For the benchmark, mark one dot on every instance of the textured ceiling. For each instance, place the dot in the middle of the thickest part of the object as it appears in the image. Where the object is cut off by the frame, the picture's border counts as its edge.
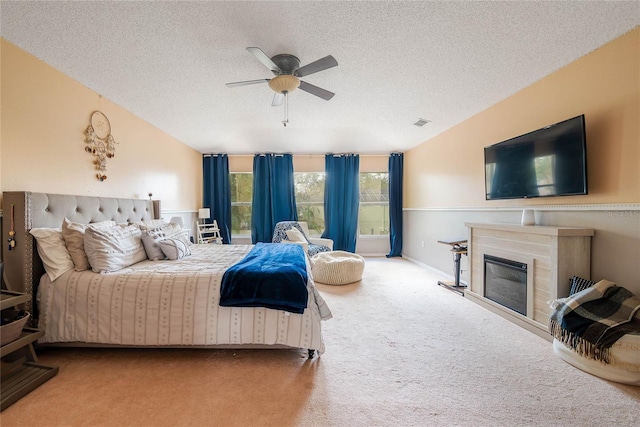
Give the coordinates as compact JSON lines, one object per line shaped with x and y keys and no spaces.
{"x":168,"y":62}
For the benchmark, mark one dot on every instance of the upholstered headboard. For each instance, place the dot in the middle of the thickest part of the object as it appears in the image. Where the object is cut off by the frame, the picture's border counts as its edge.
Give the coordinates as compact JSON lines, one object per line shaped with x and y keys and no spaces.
{"x":23,"y":267}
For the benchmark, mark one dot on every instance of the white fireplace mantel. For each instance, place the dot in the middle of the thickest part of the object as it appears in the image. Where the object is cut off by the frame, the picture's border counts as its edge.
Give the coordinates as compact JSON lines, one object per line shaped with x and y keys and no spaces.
{"x":552,"y":254}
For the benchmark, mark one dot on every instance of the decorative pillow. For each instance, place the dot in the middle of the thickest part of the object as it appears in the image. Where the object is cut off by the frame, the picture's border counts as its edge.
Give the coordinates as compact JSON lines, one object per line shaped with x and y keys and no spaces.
{"x":113,"y":248}
{"x":149,"y":224}
{"x":73,"y":235}
{"x":52,"y":251}
{"x":172,"y":229}
{"x":295,"y":235}
{"x":579,"y":284}
{"x":175,"y":247}
{"x":151,"y":242}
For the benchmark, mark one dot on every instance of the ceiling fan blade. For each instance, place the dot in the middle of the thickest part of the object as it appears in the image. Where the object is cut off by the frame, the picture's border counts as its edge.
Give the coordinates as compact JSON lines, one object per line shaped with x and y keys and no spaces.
{"x":247,"y":82}
{"x":262,"y":57}
{"x":278,"y":99}
{"x":315,"y":90}
{"x":319,"y":65}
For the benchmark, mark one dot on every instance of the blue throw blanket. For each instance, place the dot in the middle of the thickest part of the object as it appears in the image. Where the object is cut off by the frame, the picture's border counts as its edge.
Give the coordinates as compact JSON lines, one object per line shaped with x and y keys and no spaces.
{"x":272,"y":275}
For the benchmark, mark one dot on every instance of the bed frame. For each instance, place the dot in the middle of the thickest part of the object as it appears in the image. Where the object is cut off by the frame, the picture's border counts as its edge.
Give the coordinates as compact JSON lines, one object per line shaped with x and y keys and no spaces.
{"x":22,"y":264}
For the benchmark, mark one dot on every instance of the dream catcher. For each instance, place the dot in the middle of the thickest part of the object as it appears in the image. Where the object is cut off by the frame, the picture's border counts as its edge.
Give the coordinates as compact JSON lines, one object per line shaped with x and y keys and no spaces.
{"x":100,"y":142}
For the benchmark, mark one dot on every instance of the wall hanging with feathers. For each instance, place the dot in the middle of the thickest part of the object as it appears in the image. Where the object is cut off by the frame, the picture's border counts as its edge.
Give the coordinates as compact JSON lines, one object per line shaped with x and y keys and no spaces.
{"x":100,"y":142}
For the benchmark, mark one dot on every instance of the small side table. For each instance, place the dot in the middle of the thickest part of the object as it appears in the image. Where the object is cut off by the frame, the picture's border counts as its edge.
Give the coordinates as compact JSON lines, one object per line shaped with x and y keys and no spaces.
{"x":458,"y":248}
{"x":20,"y":372}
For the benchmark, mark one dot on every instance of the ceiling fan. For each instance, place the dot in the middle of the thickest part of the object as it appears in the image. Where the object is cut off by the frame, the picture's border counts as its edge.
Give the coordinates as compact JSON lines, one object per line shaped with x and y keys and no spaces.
{"x":287,"y":72}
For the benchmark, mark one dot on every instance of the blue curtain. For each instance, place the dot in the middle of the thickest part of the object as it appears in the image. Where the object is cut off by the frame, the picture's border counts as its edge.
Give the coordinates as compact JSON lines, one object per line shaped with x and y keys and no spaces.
{"x":274,"y":198}
{"x":395,"y":203}
{"x":342,"y":200}
{"x":217,"y":191}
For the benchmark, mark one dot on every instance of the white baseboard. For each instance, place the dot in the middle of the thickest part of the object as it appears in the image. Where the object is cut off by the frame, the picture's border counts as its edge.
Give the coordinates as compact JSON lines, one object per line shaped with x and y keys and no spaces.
{"x":441,"y":273}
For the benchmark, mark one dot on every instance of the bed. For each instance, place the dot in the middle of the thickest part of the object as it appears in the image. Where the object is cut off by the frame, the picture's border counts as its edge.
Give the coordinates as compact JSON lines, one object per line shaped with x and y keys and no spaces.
{"x":168,"y":303}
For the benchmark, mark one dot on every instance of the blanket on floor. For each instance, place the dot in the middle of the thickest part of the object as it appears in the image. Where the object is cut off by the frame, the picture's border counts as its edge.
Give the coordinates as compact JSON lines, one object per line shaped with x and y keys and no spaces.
{"x":272,"y":275}
{"x":592,"y":320}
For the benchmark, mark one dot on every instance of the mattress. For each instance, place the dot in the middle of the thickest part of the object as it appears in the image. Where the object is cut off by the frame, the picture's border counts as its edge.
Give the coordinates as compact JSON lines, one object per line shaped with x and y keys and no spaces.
{"x":170,"y":303}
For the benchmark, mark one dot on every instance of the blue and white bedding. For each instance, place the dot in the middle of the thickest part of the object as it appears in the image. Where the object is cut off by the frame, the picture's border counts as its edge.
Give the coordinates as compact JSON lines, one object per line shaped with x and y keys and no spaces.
{"x":171,"y":303}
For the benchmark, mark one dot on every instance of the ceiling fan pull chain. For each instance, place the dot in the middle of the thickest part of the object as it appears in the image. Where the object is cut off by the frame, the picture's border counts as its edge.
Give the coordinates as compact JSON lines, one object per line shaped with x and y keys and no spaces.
{"x":286,"y":108}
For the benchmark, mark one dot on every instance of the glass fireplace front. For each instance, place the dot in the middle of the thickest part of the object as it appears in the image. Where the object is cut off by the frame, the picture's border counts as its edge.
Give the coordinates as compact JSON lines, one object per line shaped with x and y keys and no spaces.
{"x":505,"y":282}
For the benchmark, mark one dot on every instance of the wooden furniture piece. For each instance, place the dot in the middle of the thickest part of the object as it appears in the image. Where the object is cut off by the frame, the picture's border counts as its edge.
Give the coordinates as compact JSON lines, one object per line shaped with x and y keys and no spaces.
{"x":552,"y":255}
{"x":458,"y":248}
{"x":20,"y":371}
{"x":209,"y":233}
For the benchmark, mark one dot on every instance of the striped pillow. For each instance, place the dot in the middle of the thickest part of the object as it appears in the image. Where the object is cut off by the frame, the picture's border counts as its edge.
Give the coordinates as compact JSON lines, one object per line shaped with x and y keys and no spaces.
{"x":579,"y":284}
{"x":114,"y":248}
{"x":175,"y":247}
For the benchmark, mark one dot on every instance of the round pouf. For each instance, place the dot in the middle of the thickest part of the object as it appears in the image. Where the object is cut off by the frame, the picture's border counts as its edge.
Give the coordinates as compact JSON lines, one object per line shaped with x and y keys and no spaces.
{"x":337,"y":267}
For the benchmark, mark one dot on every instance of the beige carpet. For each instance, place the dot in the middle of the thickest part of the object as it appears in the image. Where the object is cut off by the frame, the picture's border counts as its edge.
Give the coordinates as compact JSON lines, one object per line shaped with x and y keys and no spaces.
{"x":401,"y":351}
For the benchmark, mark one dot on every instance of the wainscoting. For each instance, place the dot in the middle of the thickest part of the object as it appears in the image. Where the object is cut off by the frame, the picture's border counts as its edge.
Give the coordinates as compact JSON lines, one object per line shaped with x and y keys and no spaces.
{"x":614,"y":247}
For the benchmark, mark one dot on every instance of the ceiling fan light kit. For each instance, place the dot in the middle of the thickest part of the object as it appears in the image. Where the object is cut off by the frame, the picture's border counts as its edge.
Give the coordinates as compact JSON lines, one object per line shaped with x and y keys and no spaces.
{"x":284,"y":83}
{"x":287,"y":71}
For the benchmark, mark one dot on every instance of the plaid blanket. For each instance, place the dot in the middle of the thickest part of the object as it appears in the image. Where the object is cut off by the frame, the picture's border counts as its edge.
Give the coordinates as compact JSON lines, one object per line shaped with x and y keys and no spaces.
{"x":592,"y":320}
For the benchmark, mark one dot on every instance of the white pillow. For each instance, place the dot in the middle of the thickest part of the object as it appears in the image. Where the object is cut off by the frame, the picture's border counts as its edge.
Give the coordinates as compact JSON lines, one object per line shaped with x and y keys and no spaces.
{"x":113,"y":248}
{"x":296,"y":235}
{"x":150,"y":224}
{"x":175,"y":247}
{"x":151,"y":238}
{"x":52,"y":251}
{"x":73,"y":235}
{"x":172,"y":229}
{"x":151,"y":242}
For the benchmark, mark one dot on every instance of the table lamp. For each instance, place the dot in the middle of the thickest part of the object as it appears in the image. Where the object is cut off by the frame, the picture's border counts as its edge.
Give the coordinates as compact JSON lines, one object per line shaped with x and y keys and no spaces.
{"x":204,"y":214}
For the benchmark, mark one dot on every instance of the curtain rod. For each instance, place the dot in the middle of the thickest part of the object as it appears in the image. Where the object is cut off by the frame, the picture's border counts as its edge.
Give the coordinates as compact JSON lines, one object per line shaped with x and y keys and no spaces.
{"x":302,"y":155}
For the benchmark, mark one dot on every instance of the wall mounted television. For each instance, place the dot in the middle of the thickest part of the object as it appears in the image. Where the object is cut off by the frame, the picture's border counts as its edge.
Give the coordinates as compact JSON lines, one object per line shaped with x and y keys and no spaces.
{"x":547,"y":162}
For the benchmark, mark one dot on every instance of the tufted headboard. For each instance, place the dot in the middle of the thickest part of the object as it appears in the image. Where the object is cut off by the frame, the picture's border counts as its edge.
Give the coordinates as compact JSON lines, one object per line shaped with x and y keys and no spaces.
{"x":23,"y":267}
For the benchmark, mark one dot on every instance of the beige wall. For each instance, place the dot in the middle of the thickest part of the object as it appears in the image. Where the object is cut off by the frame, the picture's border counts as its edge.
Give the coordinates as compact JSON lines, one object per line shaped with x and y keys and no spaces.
{"x":448,"y":170}
{"x":444,"y":177}
{"x":311,"y":163}
{"x":44,"y":115}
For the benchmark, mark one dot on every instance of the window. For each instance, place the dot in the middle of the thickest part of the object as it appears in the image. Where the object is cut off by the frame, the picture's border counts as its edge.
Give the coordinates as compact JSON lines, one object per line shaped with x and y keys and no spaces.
{"x":241,"y":193}
{"x":374,"y":204}
{"x":309,"y":188}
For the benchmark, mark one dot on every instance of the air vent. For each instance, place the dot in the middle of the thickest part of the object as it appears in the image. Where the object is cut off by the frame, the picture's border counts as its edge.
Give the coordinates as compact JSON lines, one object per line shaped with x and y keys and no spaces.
{"x":421,"y":122}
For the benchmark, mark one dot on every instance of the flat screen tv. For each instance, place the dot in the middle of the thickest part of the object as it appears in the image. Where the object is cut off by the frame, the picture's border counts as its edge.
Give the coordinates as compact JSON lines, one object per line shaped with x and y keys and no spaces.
{"x":547,"y":162}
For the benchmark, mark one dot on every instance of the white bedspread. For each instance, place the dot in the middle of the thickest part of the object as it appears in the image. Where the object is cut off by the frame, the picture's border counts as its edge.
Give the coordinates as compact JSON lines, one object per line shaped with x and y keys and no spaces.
{"x":170,"y":303}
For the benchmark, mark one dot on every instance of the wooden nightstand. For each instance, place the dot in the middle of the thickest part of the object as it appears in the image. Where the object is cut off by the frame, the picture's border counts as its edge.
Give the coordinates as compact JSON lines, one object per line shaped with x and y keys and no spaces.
{"x":19,"y":370}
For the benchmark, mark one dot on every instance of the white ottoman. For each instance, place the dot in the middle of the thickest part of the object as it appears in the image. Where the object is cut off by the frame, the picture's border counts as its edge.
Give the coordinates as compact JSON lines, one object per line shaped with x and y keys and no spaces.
{"x":625,"y":360}
{"x":337,"y":267}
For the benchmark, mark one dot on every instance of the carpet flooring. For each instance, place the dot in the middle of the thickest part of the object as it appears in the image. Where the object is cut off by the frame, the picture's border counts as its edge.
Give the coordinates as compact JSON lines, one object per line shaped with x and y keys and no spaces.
{"x":401,"y":351}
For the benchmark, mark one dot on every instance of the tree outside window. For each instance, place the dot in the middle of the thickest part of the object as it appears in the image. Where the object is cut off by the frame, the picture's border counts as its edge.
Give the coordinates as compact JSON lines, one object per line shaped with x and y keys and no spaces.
{"x":309,"y":188}
{"x":241,"y":193}
{"x":373,"y":217}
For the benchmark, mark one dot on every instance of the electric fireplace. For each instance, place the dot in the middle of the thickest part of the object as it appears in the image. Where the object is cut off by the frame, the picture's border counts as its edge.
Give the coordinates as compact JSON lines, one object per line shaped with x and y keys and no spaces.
{"x":505,"y":282}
